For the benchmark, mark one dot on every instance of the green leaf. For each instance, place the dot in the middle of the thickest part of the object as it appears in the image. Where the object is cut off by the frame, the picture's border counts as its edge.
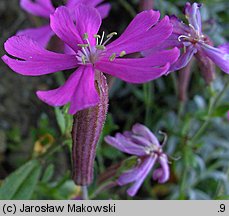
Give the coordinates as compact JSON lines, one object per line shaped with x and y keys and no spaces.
{"x":60,"y":119}
{"x":220,"y":110}
{"x":49,"y":171}
{"x":21,"y":183}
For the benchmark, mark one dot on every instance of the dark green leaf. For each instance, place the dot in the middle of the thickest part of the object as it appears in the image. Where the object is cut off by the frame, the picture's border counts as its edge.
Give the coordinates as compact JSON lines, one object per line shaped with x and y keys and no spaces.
{"x":21,"y":183}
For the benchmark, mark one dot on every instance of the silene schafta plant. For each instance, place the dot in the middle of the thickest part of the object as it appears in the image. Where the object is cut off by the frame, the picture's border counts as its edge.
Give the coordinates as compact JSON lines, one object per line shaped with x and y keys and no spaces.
{"x":141,"y":142}
{"x":44,"y":8}
{"x":86,"y":88}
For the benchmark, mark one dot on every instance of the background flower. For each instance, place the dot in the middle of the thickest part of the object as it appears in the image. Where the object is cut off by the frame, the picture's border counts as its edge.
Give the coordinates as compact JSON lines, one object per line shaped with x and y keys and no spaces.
{"x":44,"y":8}
{"x":142,"y":143}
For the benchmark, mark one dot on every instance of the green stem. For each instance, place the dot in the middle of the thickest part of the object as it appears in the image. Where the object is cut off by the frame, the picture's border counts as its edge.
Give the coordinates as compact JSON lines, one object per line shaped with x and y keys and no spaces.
{"x":84,"y":193}
{"x":181,"y":110}
{"x":103,"y":187}
{"x":148,"y":98}
{"x":212,"y":105}
{"x":185,"y":172}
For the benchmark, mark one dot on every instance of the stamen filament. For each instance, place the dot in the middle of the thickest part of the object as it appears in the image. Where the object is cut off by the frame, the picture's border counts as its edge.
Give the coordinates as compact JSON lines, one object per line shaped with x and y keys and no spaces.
{"x":109,"y":36}
{"x":97,"y":38}
{"x":102,"y":38}
{"x":183,"y":36}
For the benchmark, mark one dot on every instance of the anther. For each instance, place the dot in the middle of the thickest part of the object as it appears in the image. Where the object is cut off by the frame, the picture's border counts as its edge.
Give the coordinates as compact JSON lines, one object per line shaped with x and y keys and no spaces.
{"x":85,"y":36}
{"x":123,"y":53}
{"x":112,"y":57}
{"x":111,"y":34}
{"x":102,"y":38}
{"x":100,"y":47}
{"x":97,"y":36}
{"x":83,"y":45}
{"x":83,"y":59}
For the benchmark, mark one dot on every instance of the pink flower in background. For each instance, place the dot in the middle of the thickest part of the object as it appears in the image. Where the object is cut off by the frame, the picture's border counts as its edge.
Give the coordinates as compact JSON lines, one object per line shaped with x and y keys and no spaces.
{"x":142,"y":143}
{"x":91,"y":54}
{"x":44,"y":8}
{"x":193,"y":42}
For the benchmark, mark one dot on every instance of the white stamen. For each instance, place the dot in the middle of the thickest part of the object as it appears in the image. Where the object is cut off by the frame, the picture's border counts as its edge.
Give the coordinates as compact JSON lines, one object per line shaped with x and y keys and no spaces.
{"x":183,"y":36}
{"x":102,"y":38}
{"x":90,"y":54}
{"x":111,"y":35}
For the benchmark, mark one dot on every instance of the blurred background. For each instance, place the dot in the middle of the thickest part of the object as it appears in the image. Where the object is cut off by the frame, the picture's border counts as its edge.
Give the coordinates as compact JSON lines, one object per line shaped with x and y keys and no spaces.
{"x":30,"y":129}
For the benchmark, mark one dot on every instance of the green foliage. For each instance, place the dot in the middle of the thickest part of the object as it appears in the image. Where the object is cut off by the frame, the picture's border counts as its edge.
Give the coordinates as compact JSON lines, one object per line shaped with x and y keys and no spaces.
{"x":21,"y":183}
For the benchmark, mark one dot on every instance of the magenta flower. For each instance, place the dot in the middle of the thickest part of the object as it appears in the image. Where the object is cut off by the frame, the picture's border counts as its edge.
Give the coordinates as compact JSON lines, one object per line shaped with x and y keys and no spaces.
{"x":91,"y":54}
{"x":142,"y":143}
{"x":44,"y":8}
{"x":192,"y":41}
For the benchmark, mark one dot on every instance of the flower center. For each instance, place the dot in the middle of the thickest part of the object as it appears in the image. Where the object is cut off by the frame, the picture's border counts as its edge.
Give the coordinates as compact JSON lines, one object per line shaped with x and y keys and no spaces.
{"x":153,"y":149}
{"x":193,"y":37}
{"x":89,"y":54}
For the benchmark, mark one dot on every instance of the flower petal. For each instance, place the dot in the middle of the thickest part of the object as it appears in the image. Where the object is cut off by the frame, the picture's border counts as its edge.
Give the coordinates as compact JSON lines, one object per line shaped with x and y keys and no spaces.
{"x":63,"y":94}
{"x":73,"y":3}
{"x":135,"y":173}
{"x":142,"y":174}
{"x":137,"y":38}
{"x":164,"y":56}
{"x":123,"y":144}
{"x":132,"y":70}
{"x":179,"y":27}
{"x":184,"y":59}
{"x":88,"y":21}
{"x":41,"y":8}
{"x":63,"y":25}
{"x":85,"y":95}
{"x":79,"y":91}
{"x":162,"y":174}
{"x":169,"y":43}
{"x":139,"y":25}
{"x":143,"y":131}
{"x":192,"y":13}
{"x":139,"y":140}
{"x":41,"y":34}
{"x":220,"y":55}
{"x":104,"y":10}
{"x":35,"y":59}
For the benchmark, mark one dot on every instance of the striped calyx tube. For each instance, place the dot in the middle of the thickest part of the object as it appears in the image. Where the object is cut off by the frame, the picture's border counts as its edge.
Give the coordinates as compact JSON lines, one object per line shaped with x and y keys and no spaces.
{"x":86,"y":131}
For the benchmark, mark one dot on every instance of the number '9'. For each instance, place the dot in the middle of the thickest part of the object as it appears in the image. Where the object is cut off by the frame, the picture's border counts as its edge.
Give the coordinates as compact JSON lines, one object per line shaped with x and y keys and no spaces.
{"x":222,"y":207}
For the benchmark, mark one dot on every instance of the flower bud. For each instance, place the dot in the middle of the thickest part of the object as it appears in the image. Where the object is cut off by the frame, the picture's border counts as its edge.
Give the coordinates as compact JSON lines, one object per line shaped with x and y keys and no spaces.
{"x":207,"y":67}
